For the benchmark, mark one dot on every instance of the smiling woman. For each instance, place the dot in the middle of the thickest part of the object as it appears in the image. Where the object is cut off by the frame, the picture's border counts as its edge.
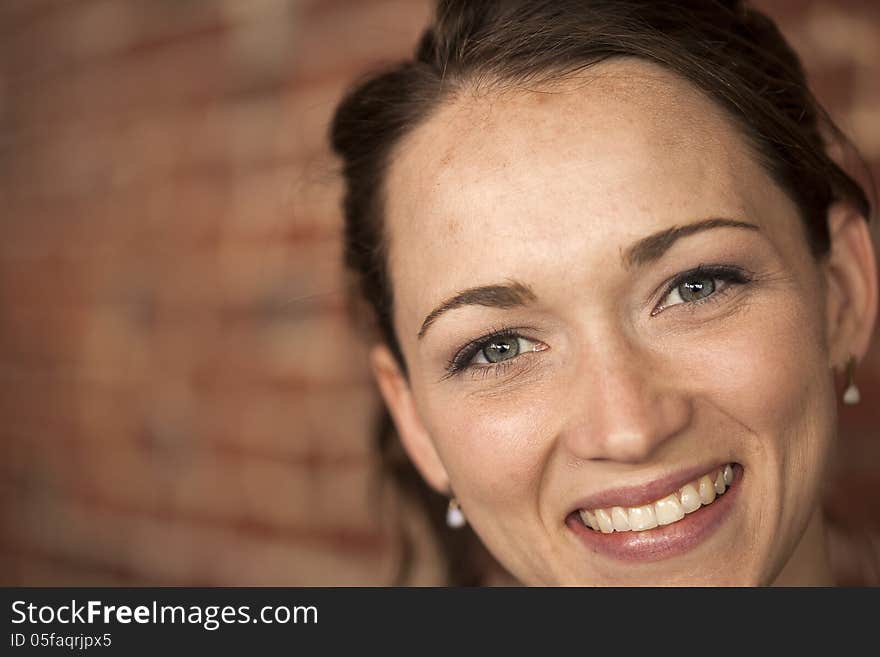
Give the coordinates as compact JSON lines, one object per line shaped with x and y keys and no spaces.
{"x":615,"y":272}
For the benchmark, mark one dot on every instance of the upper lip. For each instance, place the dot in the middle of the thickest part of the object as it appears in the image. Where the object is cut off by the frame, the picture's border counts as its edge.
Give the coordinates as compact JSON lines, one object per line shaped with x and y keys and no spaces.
{"x":645,"y":493}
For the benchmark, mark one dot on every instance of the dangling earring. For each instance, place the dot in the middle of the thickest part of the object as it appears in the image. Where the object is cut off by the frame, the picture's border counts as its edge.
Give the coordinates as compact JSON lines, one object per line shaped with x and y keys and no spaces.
{"x":454,"y":515}
{"x":851,"y":395}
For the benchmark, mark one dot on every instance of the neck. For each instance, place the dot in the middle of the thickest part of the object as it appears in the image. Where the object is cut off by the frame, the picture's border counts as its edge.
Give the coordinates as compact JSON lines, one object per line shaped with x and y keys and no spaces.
{"x":810,"y":564}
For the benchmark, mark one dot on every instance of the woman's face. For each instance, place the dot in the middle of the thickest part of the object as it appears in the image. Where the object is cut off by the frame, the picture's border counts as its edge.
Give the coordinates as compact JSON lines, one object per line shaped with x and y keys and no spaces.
{"x":602,"y":297}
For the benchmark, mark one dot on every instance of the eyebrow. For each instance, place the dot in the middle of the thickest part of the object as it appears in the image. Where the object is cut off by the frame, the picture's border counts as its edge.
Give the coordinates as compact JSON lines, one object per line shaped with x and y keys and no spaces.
{"x":652,"y":247}
{"x":509,"y":295}
{"x":515,"y":293}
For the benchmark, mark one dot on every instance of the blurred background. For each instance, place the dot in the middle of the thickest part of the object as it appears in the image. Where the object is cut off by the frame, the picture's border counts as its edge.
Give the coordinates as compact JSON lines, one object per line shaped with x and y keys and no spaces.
{"x":182,"y":400}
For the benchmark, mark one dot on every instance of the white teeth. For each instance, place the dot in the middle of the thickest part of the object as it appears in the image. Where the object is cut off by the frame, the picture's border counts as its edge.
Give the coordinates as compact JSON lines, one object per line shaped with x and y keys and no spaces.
{"x":668,"y":510}
{"x":665,"y":511}
{"x":690,"y":498}
{"x":707,"y":490}
{"x":720,"y":486}
{"x":642,"y":518}
{"x":605,"y":524}
{"x":620,"y":519}
{"x":589,"y":519}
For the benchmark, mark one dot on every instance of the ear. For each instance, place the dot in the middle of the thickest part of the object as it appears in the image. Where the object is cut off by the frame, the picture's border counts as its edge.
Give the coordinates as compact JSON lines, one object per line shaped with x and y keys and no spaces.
{"x":851,"y":276}
{"x":416,"y":440}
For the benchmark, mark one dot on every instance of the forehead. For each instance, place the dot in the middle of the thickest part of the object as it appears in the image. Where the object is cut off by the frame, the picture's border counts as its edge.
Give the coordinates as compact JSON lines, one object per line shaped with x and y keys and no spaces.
{"x":493,"y":182}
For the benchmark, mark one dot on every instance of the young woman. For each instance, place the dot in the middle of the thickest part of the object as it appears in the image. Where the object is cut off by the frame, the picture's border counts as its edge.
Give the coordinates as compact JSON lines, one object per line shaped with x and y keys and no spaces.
{"x":615,"y":272}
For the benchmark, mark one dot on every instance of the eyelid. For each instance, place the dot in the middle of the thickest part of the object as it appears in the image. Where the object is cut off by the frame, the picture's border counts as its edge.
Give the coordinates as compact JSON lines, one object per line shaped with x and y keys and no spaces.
{"x":513,"y":336}
{"x":731,"y":274}
{"x":511,"y":366}
{"x":464,"y":355}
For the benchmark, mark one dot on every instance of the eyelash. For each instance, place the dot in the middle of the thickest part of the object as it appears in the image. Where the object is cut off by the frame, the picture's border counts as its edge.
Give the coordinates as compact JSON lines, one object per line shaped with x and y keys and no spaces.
{"x":731,"y":276}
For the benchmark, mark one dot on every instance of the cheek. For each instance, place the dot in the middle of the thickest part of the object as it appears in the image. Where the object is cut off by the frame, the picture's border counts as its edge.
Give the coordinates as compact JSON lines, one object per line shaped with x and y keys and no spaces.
{"x":769,"y":372}
{"x":493,"y":448}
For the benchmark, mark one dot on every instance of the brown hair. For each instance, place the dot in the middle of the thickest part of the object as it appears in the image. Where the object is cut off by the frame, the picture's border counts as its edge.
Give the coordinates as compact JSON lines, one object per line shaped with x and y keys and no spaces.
{"x":733,"y":53}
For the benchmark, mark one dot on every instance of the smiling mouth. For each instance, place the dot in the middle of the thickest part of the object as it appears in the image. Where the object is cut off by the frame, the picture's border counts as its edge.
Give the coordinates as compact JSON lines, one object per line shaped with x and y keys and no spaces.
{"x":668,"y":510}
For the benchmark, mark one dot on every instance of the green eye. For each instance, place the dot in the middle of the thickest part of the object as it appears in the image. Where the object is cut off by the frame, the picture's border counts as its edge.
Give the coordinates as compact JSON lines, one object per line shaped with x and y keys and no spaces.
{"x":702,"y":284}
{"x":492,"y":350}
{"x":695,"y":289}
{"x":500,"y":349}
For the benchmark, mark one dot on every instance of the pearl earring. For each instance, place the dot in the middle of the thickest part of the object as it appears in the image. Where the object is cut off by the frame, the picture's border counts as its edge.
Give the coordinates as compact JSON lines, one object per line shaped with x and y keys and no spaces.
{"x":851,"y":395}
{"x":454,"y":515}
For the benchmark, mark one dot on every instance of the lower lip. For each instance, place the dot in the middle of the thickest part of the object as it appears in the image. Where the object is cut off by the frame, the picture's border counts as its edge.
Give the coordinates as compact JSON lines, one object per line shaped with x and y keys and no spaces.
{"x":666,"y":541}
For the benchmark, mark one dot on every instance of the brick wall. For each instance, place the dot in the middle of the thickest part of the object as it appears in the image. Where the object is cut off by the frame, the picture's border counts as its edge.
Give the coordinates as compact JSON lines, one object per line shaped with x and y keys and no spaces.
{"x":182,"y":400}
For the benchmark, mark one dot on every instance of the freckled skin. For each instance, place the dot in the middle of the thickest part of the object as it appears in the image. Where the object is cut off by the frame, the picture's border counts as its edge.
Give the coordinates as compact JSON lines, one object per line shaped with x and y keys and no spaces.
{"x":549,"y":187}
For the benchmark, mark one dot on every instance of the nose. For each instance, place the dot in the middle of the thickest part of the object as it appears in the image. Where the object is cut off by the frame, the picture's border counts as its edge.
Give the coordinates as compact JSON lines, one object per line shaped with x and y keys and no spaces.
{"x":626,"y":403}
